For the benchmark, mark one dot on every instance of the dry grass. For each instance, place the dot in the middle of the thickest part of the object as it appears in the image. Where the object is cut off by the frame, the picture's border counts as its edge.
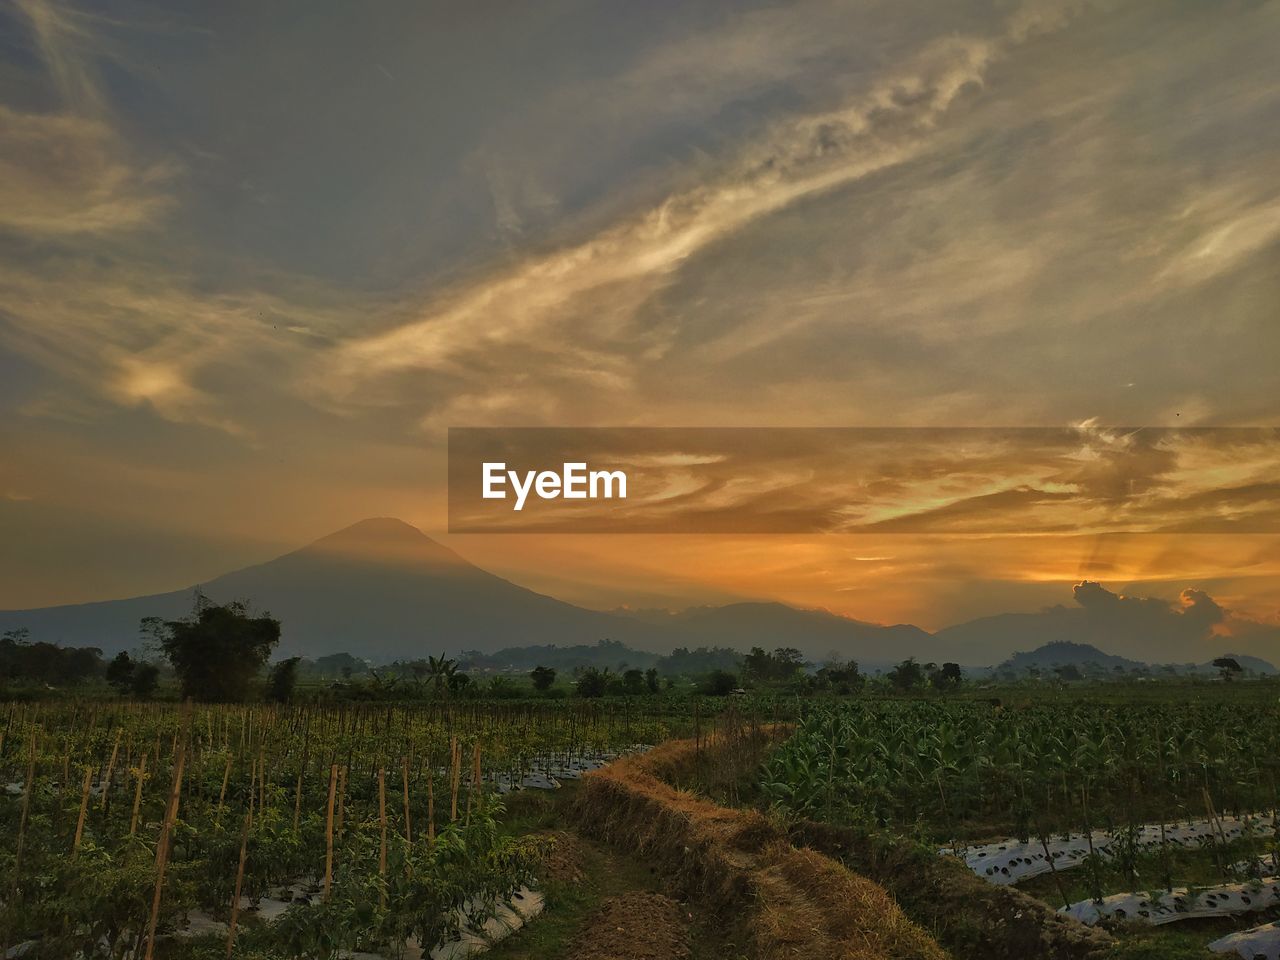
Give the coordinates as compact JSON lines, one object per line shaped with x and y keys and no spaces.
{"x":794,"y":903}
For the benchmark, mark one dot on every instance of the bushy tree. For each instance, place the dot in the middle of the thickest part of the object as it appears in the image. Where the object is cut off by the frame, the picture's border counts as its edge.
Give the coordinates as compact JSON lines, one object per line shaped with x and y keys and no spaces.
{"x":146,"y":677}
{"x":907,"y":675}
{"x":218,"y":650}
{"x":780,"y":666}
{"x":120,"y":673}
{"x":460,"y":682}
{"x":41,"y":662}
{"x":718,"y":683}
{"x":501,"y":688}
{"x":839,"y":676}
{"x":1228,"y":667}
{"x":651,"y":680}
{"x":282,"y":679}
{"x":947,"y":677}
{"x":633,"y":681}
{"x":593,"y":682}
{"x":543,"y":678}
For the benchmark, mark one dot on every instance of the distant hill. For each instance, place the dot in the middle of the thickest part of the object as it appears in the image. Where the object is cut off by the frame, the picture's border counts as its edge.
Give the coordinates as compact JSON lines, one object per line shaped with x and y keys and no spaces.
{"x":380,"y":589}
{"x":1247,"y":664}
{"x":1085,"y":657}
{"x":816,"y":633}
{"x":1063,"y":653}
{"x":987,"y":639}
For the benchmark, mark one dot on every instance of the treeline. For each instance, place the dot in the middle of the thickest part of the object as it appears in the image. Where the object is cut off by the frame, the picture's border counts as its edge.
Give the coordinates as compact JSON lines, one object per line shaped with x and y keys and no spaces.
{"x":221,"y":653}
{"x":604,"y":655}
{"x":24,"y":662}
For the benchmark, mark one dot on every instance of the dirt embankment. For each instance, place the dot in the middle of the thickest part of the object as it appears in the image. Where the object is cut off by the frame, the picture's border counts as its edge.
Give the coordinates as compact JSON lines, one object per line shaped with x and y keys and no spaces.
{"x":792,"y":903}
{"x":635,"y":926}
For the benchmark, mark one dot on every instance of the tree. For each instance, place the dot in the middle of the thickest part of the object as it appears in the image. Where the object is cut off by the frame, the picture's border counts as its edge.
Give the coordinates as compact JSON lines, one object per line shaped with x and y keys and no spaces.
{"x":19,"y":636}
{"x":146,"y":677}
{"x":633,"y":681}
{"x":543,"y":678}
{"x":218,"y":650}
{"x":458,"y":682}
{"x":785,"y":663}
{"x":282,"y":679}
{"x":719,"y":683}
{"x":1228,"y":667}
{"x":907,"y":675}
{"x":502,"y":688}
{"x":120,"y":673}
{"x":442,"y":671}
{"x":1068,"y":673}
{"x":593,"y":682}
{"x":947,"y":677}
{"x":651,"y":679}
{"x":840,"y":677}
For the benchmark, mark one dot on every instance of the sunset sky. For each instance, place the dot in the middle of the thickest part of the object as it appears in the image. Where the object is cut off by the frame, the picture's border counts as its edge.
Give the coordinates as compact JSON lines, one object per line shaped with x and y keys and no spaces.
{"x":257,"y":258}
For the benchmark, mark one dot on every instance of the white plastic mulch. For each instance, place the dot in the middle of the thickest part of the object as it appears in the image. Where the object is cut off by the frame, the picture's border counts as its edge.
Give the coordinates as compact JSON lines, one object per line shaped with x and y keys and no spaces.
{"x":1227,"y":900}
{"x":1260,"y":943}
{"x":1009,"y":861}
{"x":523,"y":906}
{"x":544,"y":772}
{"x":509,"y":916}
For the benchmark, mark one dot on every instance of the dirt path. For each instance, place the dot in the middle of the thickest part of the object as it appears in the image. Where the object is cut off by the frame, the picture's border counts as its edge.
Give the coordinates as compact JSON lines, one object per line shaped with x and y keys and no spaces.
{"x":606,"y":904}
{"x":635,"y":926}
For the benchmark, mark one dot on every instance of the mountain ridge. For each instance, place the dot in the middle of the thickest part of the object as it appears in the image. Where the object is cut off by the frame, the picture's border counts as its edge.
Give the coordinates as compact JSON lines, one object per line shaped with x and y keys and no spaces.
{"x":383,"y":590}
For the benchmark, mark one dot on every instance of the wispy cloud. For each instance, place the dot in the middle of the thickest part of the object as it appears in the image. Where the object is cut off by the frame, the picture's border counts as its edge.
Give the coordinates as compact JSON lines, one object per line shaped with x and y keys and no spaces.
{"x":64,"y":174}
{"x":611,"y":275}
{"x":70,"y":171}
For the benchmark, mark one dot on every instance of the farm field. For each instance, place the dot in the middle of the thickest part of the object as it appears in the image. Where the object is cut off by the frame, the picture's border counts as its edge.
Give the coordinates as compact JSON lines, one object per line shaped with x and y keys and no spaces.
{"x":1153,"y":819}
{"x":550,"y":829}
{"x":170,"y":831}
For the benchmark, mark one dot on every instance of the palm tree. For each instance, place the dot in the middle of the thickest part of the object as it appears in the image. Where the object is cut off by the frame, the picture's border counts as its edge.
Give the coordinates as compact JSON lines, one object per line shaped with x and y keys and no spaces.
{"x":441,"y":671}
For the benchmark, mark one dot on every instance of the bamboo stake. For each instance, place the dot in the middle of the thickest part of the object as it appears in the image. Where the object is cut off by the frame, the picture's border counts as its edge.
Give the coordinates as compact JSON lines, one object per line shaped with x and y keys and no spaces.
{"x":162,"y":851}
{"x":222,"y":794}
{"x":455,"y":774}
{"x":137,"y":794}
{"x":297,"y":801}
{"x":431,"y":804}
{"x":474,"y":792}
{"x":244,"y":855}
{"x":382,"y":820}
{"x":342,"y":797}
{"x":84,"y":809}
{"x":408,"y":827}
{"x":111,"y":767}
{"x":328,"y":833}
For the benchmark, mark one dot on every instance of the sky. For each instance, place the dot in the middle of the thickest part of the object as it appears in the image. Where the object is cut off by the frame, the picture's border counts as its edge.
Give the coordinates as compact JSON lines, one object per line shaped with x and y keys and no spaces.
{"x":257,"y":258}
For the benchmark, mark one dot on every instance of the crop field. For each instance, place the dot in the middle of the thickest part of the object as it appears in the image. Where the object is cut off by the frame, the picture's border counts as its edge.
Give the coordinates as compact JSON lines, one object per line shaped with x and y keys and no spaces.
{"x":1092,"y":827}
{"x":146,"y":830}
{"x":1159,"y":813}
